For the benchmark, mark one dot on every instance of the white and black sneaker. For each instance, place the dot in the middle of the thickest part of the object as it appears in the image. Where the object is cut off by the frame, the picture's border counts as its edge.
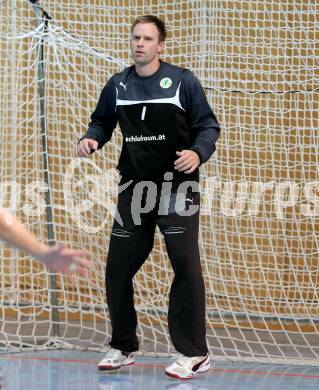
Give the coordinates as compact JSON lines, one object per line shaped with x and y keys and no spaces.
{"x":115,"y":359}
{"x":185,"y":367}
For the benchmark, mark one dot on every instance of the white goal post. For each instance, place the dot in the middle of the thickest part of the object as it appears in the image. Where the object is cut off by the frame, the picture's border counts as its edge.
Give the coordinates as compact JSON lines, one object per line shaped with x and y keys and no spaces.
{"x":258,"y":63}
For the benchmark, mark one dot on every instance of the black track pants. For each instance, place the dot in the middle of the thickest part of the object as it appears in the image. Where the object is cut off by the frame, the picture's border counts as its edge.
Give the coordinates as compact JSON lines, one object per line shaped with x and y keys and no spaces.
{"x":130,"y":245}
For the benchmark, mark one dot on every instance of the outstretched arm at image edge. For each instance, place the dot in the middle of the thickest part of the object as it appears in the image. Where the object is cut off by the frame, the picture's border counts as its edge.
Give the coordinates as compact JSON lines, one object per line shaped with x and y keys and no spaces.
{"x":59,"y":258}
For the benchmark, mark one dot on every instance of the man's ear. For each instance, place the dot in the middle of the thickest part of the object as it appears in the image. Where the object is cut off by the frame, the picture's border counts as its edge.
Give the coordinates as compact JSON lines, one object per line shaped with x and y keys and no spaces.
{"x":160,"y":47}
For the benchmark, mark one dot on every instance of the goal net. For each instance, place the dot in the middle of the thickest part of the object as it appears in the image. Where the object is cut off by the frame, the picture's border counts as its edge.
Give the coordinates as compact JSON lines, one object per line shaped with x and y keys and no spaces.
{"x":258,"y":63}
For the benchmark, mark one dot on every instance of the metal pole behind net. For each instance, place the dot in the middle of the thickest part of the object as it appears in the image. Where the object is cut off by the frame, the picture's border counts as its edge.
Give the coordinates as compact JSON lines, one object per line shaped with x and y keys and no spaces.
{"x":43,"y":18}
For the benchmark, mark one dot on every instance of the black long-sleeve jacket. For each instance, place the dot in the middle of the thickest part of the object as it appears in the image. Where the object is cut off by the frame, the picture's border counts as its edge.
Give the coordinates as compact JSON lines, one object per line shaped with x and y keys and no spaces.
{"x":158,"y":115}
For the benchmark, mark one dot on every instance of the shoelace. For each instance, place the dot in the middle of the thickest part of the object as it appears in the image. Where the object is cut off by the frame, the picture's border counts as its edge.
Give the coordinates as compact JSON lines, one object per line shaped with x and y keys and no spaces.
{"x":112,"y":353}
{"x":175,"y":356}
{"x":181,"y":359}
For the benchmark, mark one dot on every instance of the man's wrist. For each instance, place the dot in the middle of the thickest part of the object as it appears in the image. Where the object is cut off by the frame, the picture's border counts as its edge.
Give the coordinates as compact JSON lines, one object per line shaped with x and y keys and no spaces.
{"x":39,"y":251}
{"x":198,"y":154}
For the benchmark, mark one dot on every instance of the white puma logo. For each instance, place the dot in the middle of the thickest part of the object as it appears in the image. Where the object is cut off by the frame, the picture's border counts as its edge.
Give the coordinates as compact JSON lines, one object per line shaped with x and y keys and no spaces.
{"x":123,"y":85}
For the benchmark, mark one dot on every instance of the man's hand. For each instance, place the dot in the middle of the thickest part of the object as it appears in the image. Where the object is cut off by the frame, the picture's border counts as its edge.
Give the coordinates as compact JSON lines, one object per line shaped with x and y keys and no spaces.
{"x":86,"y":147}
{"x":187,"y":162}
{"x":66,"y":260}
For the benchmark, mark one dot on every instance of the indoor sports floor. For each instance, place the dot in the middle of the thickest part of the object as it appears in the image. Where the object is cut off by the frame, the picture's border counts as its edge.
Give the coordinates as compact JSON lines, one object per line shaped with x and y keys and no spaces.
{"x":72,"y":370}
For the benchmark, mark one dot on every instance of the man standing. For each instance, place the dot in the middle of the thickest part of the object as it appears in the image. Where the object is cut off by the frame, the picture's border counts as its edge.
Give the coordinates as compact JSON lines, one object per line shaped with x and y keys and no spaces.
{"x":168,"y":130}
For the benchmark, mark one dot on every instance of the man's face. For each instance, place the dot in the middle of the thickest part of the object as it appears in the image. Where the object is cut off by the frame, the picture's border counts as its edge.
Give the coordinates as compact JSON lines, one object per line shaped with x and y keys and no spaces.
{"x":145,"y":45}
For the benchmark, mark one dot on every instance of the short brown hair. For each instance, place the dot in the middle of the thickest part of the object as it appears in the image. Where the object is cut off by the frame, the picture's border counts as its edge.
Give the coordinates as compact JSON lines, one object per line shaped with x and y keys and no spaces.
{"x":152,"y":19}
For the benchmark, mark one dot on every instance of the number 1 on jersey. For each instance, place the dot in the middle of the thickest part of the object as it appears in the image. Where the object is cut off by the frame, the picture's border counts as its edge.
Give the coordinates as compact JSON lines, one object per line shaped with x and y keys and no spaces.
{"x":143,"y":113}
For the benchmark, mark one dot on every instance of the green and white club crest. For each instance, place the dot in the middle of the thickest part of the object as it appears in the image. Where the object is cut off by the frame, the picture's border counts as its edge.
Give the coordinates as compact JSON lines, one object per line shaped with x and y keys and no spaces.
{"x":166,"y":82}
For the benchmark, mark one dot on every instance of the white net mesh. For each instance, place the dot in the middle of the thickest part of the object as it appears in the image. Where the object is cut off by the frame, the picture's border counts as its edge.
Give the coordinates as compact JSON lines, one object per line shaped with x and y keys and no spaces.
{"x":258,"y":62}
